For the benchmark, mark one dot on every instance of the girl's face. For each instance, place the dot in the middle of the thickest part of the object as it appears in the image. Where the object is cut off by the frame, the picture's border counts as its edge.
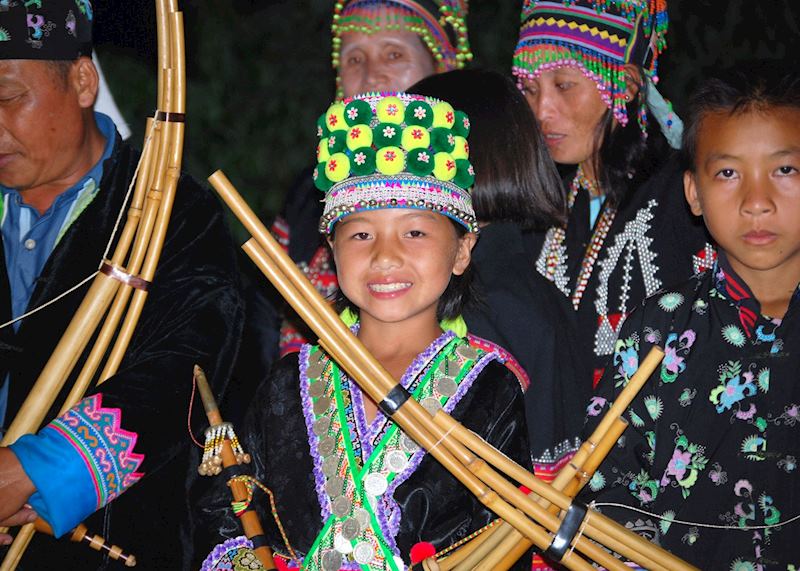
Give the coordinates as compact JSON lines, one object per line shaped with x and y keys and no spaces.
{"x":394,"y":264}
{"x":569,"y":109}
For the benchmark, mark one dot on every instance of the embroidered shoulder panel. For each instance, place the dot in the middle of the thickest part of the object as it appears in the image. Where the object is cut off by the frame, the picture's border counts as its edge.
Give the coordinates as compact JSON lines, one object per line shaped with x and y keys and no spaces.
{"x":504,"y":357}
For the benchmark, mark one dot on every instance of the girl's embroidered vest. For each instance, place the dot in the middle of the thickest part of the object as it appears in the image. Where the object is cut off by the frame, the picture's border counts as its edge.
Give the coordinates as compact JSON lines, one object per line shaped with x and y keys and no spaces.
{"x":357,"y":466}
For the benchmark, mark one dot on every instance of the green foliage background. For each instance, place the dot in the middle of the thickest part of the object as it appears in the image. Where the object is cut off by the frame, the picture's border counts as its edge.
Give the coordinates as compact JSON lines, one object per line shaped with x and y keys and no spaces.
{"x":259,"y":73}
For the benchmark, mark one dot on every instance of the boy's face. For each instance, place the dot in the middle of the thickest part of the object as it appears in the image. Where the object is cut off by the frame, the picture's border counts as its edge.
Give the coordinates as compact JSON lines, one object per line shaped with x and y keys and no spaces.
{"x":746,"y":185}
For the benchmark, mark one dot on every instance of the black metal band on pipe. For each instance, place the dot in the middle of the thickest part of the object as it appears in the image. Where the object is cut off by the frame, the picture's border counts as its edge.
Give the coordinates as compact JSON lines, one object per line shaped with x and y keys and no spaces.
{"x":168,"y":117}
{"x":396,"y":398}
{"x":566,"y":532}
{"x":259,"y":540}
{"x":233,"y":471}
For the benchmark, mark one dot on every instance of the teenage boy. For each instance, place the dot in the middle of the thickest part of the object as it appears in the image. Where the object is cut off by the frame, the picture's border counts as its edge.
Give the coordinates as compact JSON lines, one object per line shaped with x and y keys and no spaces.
{"x":711,"y":453}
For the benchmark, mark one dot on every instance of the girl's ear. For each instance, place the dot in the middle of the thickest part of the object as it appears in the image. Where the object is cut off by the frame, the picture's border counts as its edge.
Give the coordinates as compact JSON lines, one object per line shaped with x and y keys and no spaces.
{"x":690,"y":190}
{"x":464,"y":253}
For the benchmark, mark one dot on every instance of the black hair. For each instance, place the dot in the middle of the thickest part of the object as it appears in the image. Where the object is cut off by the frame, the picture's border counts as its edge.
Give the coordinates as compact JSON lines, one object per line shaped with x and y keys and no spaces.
{"x":458,"y":294}
{"x":754,"y":86}
{"x":60,"y":70}
{"x":515,"y":178}
{"x":626,"y":158}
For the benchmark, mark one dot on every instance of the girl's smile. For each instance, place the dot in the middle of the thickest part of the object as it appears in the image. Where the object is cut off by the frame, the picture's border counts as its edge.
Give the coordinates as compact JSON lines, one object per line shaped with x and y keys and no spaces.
{"x":395,"y":264}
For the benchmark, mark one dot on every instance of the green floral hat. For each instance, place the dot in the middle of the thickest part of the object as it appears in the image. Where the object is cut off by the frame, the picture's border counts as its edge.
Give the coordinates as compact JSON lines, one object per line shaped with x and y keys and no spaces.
{"x":394,"y":150}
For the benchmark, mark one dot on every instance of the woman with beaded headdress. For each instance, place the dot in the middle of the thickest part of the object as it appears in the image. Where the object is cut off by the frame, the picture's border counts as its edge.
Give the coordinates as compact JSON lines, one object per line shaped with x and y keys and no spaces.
{"x":588,"y":70}
{"x":517,"y":195}
{"x":351,"y":490}
{"x":378,"y":45}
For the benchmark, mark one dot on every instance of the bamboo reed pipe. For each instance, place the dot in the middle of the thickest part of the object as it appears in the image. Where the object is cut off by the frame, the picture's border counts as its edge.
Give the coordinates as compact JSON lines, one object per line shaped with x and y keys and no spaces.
{"x":484,"y":494}
{"x":170,"y":174}
{"x":566,"y":478}
{"x":507,"y":553}
{"x":411,"y":417}
{"x":514,"y":545}
{"x":596,"y":523}
{"x":115,"y":314}
{"x":514,"y":496}
{"x":481,"y":551}
{"x":591,"y":454}
{"x":133,"y":216}
{"x":599,"y":453}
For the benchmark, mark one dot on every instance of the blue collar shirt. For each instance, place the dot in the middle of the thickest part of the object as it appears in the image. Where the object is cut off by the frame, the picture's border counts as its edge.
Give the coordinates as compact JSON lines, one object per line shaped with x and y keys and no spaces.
{"x":29,"y":238}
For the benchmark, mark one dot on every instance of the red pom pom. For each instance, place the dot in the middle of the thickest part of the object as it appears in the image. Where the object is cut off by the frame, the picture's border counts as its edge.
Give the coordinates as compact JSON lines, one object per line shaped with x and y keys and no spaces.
{"x":422,"y":551}
{"x":524,"y":490}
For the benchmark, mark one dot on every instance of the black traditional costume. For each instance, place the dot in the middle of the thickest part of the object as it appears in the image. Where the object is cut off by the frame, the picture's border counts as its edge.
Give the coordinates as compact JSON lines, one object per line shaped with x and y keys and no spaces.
{"x":332,"y":471}
{"x":135,"y":424}
{"x":711,"y":451}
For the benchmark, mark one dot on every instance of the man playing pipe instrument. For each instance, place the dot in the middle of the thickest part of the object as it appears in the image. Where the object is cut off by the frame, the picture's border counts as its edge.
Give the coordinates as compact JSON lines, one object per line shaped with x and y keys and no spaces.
{"x":64,"y":174}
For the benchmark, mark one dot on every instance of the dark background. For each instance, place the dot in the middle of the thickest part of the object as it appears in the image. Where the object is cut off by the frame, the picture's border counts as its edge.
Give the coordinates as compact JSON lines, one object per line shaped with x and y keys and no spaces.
{"x":259,"y":70}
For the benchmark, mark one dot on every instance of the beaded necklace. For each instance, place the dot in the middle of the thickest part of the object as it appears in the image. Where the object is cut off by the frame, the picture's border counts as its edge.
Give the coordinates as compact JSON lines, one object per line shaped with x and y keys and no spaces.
{"x":556,"y":259}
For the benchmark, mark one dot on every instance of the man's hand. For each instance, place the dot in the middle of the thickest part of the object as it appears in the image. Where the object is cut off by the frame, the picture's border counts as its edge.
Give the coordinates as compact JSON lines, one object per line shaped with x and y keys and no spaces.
{"x":23,"y":516}
{"x":15,"y":489}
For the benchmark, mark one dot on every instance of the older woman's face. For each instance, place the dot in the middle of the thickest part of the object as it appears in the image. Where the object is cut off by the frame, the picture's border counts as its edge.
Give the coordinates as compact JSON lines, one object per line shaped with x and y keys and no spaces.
{"x":569,"y":109}
{"x":385,"y":60}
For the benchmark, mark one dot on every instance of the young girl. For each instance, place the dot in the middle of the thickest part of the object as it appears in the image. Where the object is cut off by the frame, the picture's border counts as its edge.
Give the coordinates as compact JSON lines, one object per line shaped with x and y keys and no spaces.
{"x":351,"y":489}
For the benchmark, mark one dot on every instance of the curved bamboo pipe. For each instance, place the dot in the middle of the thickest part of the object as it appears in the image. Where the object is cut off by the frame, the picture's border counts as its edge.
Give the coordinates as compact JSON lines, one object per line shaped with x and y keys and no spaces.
{"x":145,"y":228}
{"x":473,"y":472}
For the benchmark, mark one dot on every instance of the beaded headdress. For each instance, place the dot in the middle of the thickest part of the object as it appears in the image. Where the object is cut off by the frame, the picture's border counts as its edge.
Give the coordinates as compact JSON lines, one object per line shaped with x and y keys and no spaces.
{"x":440,"y":24}
{"x":45,"y":29}
{"x":386,"y":150}
{"x":597,"y":36}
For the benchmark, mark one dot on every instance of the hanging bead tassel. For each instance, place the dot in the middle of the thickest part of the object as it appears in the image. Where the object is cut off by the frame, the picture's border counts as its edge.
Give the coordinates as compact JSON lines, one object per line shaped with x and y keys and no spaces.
{"x":211,"y":464}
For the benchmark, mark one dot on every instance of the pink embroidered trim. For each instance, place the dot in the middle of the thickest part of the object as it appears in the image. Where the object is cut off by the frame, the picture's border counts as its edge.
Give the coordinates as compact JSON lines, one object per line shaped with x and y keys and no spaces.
{"x":505,"y":357}
{"x":106,"y":449}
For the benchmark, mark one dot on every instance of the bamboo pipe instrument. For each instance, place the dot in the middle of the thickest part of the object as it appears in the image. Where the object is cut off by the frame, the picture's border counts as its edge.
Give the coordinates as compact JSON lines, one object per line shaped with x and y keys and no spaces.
{"x":339,"y":342}
{"x":144,"y":231}
{"x":582,"y":466}
{"x":473,"y":472}
{"x":250,"y":522}
{"x":513,"y":545}
{"x":489,"y":499}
